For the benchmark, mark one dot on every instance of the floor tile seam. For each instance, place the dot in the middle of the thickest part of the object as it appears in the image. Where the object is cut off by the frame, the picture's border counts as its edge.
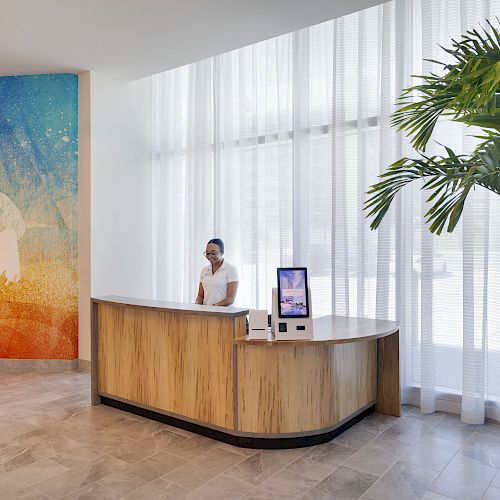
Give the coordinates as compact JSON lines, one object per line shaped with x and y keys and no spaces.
{"x":41,"y":492}
{"x":109,"y":456}
{"x":128,"y":492}
{"x":469,"y":458}
{"x":205,"y":483}
{"x":477,"y":431}
{"x":237,"y":452}
{"x":78,"y":487}
{"x":190,"y":459}
{"x":180,"y":485}
{"x":87,"y":464}
{"x":154,"y":434}
{"x":426,"y":468}
{"x":255,"y":487}
{"x":342,"y":462}
{"x":491,"y":481}
{"x":376,"y":436}
{"x":114,"y":491}
{"x":47,"y":391}
{"x":490,"y":486}
{"x":368,"y":442}
{"x":355,"y":450}
{"x":439,"y":475}
{"x":351,"y":468}
{"x":15,"y":456}
{"x":252,"y":486}
{"x":170,"y":453}
{"x":447,"y":496}
{"x":106,"y":420}
{"x":449,"y":460}
{"x":487,"y":433}
{"x":135,"y":440}
{"x":480,"y":431}
{"x":313,"y":479}
{"x":284,"y":467}
{"x":442,"y":494}
{"x":241,"y":457}
{"x":366,"y":472}
{"x":402,"y":459}
{"x":45,"y":478}
{"x":120,"y":495}
{"x":465,"y":460}
{"x":378,"y":478}
{"x":445,"y":436}
{"x":397,"y":459}
{"x":432,"y":425}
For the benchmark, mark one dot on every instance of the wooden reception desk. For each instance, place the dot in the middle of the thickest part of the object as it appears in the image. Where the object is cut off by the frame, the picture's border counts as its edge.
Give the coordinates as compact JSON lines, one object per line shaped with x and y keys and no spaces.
{"x":192,"y":366}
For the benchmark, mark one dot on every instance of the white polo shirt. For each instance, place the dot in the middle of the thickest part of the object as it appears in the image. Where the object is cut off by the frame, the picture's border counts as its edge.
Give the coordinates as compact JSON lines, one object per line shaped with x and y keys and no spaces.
{"x":215,"y":285}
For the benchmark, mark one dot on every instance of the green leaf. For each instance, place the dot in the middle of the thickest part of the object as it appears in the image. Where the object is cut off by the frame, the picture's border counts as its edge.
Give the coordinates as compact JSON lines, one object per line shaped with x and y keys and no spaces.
{"x":468,"y":91}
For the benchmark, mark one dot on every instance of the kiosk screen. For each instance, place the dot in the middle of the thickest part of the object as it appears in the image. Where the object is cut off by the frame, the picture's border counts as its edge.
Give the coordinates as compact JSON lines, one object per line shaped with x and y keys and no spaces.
{"x":293,"y":292}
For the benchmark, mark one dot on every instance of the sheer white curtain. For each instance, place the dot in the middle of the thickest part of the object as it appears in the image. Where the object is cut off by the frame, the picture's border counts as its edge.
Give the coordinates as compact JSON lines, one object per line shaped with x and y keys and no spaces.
{"x":272,"y":148}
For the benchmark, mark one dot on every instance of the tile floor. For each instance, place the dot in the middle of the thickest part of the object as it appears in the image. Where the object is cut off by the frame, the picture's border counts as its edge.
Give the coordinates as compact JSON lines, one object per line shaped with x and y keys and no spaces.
{"x":54,"y":445}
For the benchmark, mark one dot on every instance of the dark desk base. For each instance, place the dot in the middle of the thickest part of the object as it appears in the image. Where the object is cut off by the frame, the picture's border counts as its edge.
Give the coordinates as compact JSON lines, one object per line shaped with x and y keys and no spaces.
{"x":241,"y":441}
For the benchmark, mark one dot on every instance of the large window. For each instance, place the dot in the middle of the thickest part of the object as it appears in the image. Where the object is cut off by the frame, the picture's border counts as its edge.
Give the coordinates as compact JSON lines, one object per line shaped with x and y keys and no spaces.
{"x":272,"y":147}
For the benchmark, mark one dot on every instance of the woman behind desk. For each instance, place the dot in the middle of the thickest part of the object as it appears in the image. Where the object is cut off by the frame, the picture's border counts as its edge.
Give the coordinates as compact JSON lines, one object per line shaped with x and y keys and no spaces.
{"x":218,"y":280}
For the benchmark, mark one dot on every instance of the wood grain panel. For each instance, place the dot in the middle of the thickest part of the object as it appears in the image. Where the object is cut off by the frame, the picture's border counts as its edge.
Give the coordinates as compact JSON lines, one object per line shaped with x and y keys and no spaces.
{"x":388,"y":383}
{"x":175,"y":362}
{"x":297,"y":388}
{"x":284,"y":388}
{"x":355,"y":377}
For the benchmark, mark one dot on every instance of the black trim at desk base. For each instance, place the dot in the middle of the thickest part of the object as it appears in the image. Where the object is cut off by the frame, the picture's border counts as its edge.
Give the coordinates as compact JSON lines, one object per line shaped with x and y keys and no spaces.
{"x":241,"y":441}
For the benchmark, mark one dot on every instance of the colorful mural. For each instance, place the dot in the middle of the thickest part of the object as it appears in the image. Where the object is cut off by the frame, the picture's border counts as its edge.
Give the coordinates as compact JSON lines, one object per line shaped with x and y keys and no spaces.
{"x":38,"y":217}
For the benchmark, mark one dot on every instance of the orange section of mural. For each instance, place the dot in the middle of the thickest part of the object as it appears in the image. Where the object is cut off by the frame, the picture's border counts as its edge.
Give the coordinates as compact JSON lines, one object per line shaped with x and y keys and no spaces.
{"x":38,"y":317}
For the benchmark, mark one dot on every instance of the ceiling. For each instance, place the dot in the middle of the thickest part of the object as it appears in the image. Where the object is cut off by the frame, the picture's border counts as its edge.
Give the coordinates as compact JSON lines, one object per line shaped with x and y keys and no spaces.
{"x":131,"y":39}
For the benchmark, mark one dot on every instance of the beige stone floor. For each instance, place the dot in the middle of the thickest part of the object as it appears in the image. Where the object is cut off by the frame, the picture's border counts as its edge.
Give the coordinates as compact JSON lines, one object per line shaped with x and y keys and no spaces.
{"x":54,"y":445}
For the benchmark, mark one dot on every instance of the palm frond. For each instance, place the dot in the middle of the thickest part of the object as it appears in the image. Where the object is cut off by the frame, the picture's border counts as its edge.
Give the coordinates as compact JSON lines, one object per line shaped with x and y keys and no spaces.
{"x":450,"y":178}
{"x":469,"y":89}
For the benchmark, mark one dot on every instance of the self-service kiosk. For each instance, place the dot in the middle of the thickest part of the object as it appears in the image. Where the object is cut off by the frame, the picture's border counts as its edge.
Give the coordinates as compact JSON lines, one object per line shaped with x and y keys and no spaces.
{"x":292,"y":308}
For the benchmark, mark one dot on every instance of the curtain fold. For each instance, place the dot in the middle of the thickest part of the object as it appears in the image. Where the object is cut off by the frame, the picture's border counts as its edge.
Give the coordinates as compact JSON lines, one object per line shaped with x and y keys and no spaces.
{"x":272,"y":147}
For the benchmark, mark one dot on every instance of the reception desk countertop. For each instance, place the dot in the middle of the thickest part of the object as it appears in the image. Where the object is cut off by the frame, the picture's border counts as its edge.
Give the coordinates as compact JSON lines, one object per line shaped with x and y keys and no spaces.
{"x":227,"y":311}
{"x":337,"y":330}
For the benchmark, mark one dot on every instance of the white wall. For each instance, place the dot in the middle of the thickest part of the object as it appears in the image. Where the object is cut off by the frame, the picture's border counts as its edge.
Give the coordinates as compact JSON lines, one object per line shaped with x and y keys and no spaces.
{"x":121,"y":187}
{"x":84,"y":169}
{"x":120,"y":162}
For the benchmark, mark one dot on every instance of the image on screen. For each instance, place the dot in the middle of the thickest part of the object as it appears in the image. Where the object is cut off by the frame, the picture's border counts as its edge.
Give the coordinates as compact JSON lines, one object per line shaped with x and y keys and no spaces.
{"x":293,"y":292}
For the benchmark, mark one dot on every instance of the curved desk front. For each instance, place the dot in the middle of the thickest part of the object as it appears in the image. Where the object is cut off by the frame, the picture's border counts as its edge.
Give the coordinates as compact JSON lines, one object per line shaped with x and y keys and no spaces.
{"x":192,"y":366}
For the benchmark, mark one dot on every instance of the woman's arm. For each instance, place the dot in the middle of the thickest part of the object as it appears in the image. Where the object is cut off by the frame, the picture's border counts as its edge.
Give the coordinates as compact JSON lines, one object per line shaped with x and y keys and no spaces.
{"x":232,"y":288}
{"x":201,"y":295}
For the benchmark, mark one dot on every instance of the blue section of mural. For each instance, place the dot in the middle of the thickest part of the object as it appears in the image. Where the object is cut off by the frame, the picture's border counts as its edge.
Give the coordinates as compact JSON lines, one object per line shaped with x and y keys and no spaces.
{"x":44,"y":110}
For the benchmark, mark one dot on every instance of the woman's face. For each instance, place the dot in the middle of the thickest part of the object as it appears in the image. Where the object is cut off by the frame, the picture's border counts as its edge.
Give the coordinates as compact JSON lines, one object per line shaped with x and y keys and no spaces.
{"x":213,"y":253}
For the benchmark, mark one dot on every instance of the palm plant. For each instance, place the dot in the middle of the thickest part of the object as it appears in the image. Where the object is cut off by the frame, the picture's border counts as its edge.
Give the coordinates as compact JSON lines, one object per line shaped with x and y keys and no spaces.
{"x":468,"y":91}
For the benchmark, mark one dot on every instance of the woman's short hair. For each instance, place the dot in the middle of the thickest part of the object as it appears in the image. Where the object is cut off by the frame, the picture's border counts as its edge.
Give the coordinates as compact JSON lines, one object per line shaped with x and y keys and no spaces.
{"x":218,"y":242}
